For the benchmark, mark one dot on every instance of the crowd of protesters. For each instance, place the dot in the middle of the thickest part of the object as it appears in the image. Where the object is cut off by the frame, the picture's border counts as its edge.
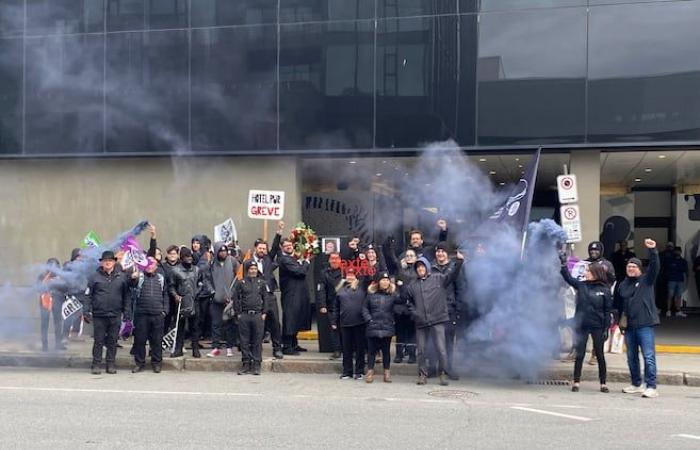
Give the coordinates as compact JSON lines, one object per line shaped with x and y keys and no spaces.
{"x":366,"y":296}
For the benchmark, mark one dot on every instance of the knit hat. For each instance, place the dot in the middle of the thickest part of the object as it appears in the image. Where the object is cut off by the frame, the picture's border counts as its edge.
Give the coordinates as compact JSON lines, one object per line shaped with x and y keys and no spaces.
{"x":595,"y":245}
{"x":185,"y":252}
{"x":444,"y":246}
{"x":636,"y":261}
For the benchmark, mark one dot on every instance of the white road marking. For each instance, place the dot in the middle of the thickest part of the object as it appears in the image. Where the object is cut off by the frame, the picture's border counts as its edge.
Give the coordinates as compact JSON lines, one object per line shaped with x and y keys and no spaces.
{"x":687,"y":436}
{"x":127,"y":391}
{"x":550,"y":413}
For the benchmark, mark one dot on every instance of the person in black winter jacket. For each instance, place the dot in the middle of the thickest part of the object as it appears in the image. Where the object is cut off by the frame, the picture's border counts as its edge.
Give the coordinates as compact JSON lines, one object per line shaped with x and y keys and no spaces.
{"x":444,"y":265}
{"x":346,"y":315}
{"x":405,"y":326}
{"x":185,"y":283}
{"x":50,"y":303}
{"x":595,"y":254}
{"x":107,"y":302}
{"x":330,"y":278}
{"x":427,"y":297}
{"x":593,"y":308}
{"x":378,"y":312}
{"x":150,"y":308}
{"x":635,"y":299}
{"x":223,"y":275}
{"x":172,"y":260}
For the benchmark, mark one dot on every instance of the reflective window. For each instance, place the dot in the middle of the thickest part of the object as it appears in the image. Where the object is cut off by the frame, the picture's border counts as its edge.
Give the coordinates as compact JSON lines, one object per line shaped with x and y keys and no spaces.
{"x":64,"y":16}
{"x":147,"y":92}
{"x":417,"y":68}
{"x":64,"y":103}
{"x":314,"y":10}
{"x":466,"y":98}
{"x":503,"y":5}
{"x":126,"y":15}
{"x":401,"y":8}
{"x":531,"y":77}
{"x":162,"y":14}
{"x":326,"y":85}
{"x":10,"y":95}
{"x":644,"y":71}
{"x":207,"y":13}
{"x":11,"y":17}
{"x":234,"y":100}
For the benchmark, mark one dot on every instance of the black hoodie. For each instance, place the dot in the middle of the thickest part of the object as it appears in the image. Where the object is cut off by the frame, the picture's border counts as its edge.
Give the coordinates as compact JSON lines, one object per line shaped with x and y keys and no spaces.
{"x":636,"y":298}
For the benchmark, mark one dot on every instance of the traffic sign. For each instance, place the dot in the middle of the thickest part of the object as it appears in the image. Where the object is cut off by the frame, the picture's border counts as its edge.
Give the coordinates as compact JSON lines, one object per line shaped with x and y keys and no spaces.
{"x":571,"y":223}
{"x":567,"y":189}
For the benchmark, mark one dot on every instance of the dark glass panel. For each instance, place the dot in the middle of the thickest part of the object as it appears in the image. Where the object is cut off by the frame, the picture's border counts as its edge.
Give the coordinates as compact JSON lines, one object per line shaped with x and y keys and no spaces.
{"x":402,"y":8}
{"x":313,"y":10}
{"x":162,"y":14}
{"x":64,"y":16}
{"x":531,"y":77}
{"x":147,"y":92}
{"x":326,"y":83}
{"x":126,"y":15}
{"x":466,"y":100}
{"x":207,"y":13}
{"x":64,"y":104}
{"x":417,"y":68}
{"x":644,"y":72}
{"x":504,"y":5}
{"x":10,"y":96}
{"x":234,"y":100}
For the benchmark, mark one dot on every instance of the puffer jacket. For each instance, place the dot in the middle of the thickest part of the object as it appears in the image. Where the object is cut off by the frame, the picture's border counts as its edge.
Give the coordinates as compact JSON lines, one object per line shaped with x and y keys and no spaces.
{"x":428,"y":296}
{"x":452,"y":305}
{"x":347,"y":311}
{"x":378,"y":312}
{"x":151,"y":295}
{"x":594,"y":302}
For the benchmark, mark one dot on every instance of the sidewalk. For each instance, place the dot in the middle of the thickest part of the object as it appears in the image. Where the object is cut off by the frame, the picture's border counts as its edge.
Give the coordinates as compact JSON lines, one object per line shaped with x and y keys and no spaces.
{"x":674,"y":369}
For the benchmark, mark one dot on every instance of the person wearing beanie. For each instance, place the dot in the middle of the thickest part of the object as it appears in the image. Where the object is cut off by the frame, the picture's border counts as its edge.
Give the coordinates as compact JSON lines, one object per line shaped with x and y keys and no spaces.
{"x":442,"y":264}
{"x":251,"y":299}
{"x":184,"y":286}
{"x":595,"y":254}
{"x":636,"y":301}
{"x":346,"y":316}
{"x":427,"y":297}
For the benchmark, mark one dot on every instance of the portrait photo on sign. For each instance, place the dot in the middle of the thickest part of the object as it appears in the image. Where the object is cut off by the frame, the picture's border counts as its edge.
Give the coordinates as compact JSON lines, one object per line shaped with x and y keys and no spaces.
{"x":330,"y":244}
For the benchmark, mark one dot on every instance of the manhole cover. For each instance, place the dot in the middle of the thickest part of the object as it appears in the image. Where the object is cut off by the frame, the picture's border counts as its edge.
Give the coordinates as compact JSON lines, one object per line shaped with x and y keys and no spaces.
{"x":453,"y":394}
{"x":550,"y":382}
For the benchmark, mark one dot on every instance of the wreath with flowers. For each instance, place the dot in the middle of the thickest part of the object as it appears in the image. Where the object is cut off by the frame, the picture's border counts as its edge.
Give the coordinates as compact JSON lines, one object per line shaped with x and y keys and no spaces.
{"x":305,"y":241}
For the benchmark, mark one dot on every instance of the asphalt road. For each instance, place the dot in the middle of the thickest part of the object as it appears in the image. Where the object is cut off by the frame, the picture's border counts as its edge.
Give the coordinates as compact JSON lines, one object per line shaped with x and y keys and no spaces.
{"x":67,"y":408}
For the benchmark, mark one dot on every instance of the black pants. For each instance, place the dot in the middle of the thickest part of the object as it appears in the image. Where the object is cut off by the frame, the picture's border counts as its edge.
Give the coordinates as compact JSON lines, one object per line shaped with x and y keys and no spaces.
{"x":106,"y":332}
{"x":290,"y":342}
{"x":251,"y":329}
{"x":221,"y":330}
{"x":272,"y":326}
{"x":598,"y":342}
{"x":450,"y":342}
{"x":192,"y":324}
{"x":353,"y":345}
{"x":148,"y":327}
{"x":169,"y":319}
{"x":55,"y":311}
{"x":203,"y":322}
{"x":374,"y":345}
{"x":436,"y":334}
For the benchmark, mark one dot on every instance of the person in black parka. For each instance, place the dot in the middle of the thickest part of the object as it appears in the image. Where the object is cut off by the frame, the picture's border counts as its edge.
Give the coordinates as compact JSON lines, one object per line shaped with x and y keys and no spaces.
{"x":594,"y":304}
{"x":346,"y":316}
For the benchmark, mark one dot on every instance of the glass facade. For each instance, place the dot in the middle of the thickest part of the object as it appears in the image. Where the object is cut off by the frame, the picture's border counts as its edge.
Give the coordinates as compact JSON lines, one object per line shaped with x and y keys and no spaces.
{"x":294,"y":76}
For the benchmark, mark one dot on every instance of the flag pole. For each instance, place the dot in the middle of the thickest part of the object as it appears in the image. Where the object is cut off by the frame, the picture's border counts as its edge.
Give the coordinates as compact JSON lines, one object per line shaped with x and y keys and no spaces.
{"x":528,"y":207}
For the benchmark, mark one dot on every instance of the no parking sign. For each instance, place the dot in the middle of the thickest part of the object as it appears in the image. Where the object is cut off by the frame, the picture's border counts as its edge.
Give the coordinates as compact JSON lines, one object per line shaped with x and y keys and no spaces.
{"x":567,"y":189}
{"x":571,"y":223}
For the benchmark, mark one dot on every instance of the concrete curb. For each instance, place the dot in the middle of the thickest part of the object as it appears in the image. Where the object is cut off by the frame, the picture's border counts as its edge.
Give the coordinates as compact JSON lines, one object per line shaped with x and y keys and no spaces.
{"x":308,"y":366}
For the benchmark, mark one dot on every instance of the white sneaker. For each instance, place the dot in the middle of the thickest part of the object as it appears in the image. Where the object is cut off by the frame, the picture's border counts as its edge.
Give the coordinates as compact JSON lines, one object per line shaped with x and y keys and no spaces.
{"x":632,"y":389}
{"x":214,"y":353}
{"x":668,"y":313}
{"x":681,"y":314}
{"x":229,"y":353}
{"x":650,"y":393}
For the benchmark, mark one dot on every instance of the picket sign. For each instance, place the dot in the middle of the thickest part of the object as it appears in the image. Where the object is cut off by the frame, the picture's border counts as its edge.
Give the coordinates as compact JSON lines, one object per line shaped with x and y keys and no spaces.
{"x":70,"y":307}
{"x":169,"y":339}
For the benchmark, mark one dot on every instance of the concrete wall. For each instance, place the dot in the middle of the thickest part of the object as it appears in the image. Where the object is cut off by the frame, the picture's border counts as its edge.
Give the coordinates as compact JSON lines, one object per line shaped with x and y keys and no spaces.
{"x":586,"y":166}
{"x":47,"y":206}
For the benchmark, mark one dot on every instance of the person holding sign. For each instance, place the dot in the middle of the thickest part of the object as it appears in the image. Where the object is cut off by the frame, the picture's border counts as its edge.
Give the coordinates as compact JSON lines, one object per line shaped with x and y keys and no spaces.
{"x":50,"y":304}
{"x":150,"y":307}
{"x":108,"y":299}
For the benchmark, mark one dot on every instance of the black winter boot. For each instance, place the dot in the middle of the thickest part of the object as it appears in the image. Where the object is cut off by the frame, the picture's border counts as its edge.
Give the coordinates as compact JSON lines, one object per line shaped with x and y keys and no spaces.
{"x":398,"y":359}
{"x":411,"y":353}
{"x":245,"y":368}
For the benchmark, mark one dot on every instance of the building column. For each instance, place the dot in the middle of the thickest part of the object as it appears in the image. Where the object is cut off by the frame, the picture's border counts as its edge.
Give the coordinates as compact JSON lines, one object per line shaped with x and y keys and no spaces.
{"x":585,"y":164}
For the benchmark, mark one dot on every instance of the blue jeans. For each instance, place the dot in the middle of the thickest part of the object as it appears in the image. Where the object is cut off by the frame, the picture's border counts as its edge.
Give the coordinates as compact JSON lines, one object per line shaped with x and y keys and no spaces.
{"x":644,"y":338}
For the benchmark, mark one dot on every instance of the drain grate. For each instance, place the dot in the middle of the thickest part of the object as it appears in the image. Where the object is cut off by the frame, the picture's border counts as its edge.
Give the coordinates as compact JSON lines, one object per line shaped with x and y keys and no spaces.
{"x":550,"y":382}
{"x":453,"y":394}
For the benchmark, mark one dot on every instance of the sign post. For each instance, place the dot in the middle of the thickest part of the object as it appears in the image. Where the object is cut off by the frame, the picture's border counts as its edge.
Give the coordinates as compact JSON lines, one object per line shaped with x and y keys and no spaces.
{"x":265,"y":205}
{"x":571,"y":223}
{"x":567,"y":189}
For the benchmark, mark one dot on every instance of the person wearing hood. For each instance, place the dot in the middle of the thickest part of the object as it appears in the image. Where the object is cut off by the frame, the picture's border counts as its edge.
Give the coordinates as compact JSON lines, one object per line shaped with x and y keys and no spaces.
{"x":206,"y":291}
{"x":150,"y":306}
{"x":378,"y":313}
{"x":347,"y":317}
{"x":325,"y":298}
{"x":185,"y":283}
{"x":223,"y":274}
{"x":595,"y":254}
{"x":351,"y":251}
{"x":172,"y":260}
{"x":107,"y":303}
{"x":635,"y":300}
{"x":251,"y":298}
{"x":427,"y":296}
{"x":444,"y":265}
{"x":50,"y":303}
{"x":199,"y":245}
{"x":593,"y":309}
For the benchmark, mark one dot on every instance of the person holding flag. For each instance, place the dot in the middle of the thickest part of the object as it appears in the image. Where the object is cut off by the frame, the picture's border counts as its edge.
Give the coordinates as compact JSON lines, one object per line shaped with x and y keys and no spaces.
{"x":150,"y":307}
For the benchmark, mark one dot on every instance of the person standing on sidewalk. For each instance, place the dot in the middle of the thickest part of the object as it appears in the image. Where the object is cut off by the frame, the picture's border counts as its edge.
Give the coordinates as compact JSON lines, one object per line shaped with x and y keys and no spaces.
{"x":267,"y":265}
{"x":151,"y":306}
{"x":636,"y":302}
{"x":107,"y":303}
{"x":330,"y":278}
{"x":346,"y":316}
{"x":378,"y":312}
{"x":223,"y":272}
{"x":251,"y":298}
{"x":676,"y":275}
{"x":592,"y":317}
{"x":50,"y":304}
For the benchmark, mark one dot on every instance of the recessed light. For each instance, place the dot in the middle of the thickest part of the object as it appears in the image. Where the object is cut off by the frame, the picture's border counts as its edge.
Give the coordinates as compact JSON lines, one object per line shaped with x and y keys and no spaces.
{"x":352,"y":162}
{"x":662,"y":156}
{"x":482,"y":159}
{"x":520,"y":166}
{"x":501,"y":184}
{"x":638,"y":180}
{"x":517,"y":159}
{"x":647,"y":170}
{"x":493,"y":172}
{"x":378,"y":174}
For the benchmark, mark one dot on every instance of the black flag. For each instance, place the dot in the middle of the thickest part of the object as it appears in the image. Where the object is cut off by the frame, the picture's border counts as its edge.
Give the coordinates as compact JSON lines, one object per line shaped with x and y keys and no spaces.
{"x":515,"y":209}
